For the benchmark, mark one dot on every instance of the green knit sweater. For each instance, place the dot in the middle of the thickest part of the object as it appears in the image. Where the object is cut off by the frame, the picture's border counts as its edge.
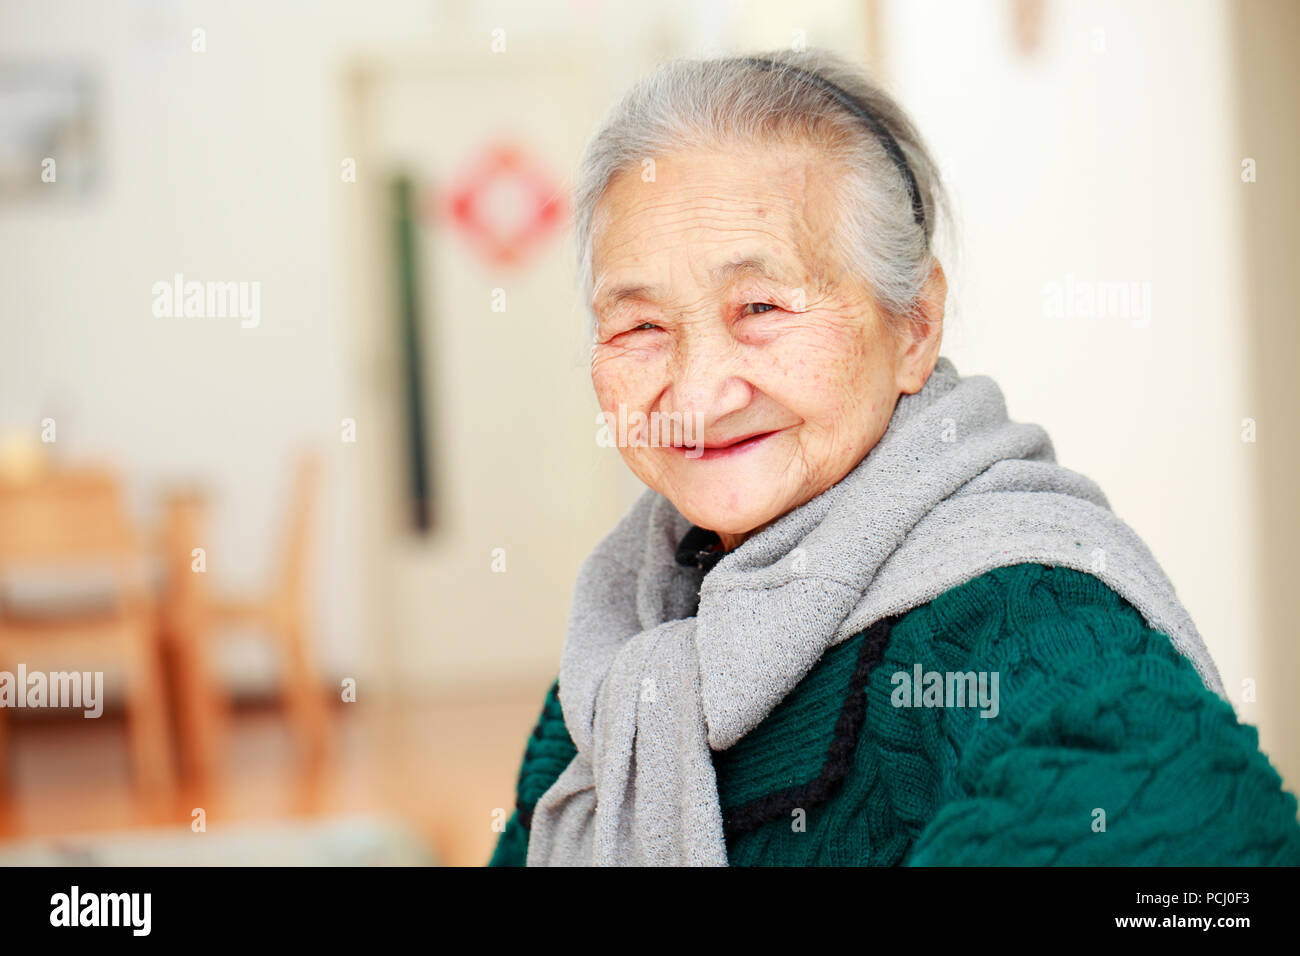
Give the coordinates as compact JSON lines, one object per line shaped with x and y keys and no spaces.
{"x":1106,"y":747}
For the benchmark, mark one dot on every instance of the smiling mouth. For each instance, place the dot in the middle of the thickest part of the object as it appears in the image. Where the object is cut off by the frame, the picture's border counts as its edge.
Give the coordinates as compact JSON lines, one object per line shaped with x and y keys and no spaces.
{"x":739,"y":446}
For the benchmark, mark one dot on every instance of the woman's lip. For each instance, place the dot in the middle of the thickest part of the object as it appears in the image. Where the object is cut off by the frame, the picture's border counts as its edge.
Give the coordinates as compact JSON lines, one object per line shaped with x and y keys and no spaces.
{"x":705,"y":453}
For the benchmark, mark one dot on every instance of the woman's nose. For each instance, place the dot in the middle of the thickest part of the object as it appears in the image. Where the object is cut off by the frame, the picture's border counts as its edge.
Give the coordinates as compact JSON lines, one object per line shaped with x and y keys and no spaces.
{"x":706,"y":380}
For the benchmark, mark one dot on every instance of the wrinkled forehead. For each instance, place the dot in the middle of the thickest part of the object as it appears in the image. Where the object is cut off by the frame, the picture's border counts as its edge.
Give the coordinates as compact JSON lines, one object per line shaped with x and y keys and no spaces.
{"x":679,"y":221}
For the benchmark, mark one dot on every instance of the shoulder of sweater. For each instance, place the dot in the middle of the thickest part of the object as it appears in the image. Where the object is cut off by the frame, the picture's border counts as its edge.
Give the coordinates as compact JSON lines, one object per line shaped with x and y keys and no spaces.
{"x":1042,"y":638}
{"x":1030,"y":615}
{"x":1024,"y":593}
{"x":1007,"y":615}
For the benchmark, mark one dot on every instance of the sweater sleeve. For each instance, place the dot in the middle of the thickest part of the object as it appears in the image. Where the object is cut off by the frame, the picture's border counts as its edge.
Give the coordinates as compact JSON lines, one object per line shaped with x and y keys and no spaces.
{"x":548,"y":752}
{"x":1106,"y":749}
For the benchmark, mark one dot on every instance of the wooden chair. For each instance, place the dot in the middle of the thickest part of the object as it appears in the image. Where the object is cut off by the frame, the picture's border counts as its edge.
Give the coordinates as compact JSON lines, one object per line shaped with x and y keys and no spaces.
{"x":195,"y":616}
{"x":61,"y":523}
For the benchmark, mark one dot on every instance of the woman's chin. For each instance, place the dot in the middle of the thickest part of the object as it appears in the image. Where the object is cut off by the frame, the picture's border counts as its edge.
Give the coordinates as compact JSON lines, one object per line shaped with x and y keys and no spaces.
{"x":729,"y":511}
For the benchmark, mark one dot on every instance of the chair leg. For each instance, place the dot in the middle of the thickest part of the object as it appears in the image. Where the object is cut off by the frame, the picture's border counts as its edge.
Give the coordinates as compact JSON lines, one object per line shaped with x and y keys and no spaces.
{"x":202,"y":711}
{"x":8,"y":809}
{"x":303,"y":693}
{"x":4,"y":734}
{"x":4,"y":751}
{"x":147,"y":721}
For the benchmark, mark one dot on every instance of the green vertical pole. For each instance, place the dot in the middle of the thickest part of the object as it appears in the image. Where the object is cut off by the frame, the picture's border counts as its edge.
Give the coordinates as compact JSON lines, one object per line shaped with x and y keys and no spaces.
{"x":405,"y":230}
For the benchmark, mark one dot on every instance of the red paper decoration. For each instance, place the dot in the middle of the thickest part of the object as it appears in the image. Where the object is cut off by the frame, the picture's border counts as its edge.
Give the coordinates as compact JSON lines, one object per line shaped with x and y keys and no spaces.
{"x":505,"y":205}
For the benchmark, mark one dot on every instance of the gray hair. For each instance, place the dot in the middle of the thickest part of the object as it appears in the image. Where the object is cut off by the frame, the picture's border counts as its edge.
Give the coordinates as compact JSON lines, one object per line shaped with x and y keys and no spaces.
{"x":718,"y":102}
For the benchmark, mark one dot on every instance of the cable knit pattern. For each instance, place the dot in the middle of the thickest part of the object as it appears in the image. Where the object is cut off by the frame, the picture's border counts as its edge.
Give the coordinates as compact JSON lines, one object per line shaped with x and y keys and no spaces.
{"x":548,"y":752}
{"x":1097,"y":712}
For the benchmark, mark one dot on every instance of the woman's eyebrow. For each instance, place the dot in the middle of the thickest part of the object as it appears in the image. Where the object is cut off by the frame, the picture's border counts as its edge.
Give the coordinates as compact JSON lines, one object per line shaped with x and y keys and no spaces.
{"x":617,"y":294}
{"x":719,"y":275}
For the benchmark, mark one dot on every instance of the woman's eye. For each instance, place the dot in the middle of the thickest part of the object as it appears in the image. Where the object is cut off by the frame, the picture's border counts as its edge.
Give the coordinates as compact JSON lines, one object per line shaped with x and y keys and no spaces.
{"x":760,"y":308}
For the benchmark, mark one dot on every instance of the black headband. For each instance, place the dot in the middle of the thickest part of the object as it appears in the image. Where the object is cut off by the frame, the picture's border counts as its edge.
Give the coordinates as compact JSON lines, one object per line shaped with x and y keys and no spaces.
{"x":851,"y":104}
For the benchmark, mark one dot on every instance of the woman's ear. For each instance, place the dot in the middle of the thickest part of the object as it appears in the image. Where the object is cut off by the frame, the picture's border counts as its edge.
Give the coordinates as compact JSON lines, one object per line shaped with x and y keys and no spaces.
{"x":920,"y":334}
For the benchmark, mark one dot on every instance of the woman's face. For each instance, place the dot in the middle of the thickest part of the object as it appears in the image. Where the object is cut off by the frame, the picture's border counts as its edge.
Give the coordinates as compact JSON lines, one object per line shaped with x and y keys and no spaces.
{"x":722,"y":314}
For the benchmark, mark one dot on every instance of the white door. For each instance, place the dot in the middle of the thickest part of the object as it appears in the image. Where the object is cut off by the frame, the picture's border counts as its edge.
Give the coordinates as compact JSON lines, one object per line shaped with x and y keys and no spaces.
{"x":518,"y":480}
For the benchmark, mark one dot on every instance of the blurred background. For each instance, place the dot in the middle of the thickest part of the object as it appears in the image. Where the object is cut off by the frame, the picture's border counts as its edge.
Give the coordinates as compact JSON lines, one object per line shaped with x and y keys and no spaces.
{"x":297,"y":438}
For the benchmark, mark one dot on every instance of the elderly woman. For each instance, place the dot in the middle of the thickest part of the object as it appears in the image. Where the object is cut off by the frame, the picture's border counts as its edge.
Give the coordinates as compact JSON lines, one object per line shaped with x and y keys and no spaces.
{"x":858,"y":616}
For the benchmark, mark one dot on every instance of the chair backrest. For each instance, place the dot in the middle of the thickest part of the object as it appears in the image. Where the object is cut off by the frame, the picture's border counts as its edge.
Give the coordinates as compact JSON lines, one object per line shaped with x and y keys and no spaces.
{"x":64,"y":517}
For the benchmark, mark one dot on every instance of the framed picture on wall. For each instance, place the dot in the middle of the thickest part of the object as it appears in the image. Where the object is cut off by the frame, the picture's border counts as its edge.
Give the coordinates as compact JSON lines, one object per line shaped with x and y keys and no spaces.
{"x":48,"y":142}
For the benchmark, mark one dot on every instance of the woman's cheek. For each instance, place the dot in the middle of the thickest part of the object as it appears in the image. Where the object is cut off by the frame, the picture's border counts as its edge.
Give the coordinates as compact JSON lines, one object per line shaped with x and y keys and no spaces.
{"x":810,"y":368}
{"x":618,"y":382}
{"x":608,"y":373}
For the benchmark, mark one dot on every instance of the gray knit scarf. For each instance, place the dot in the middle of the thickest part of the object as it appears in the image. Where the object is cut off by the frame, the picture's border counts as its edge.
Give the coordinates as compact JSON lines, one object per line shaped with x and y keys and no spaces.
{"x":953,"y":489}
